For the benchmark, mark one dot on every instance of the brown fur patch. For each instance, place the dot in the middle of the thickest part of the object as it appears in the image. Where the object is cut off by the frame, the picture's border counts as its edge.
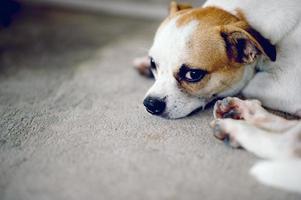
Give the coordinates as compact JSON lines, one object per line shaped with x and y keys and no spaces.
{"x":176,"y":7}
{"x":210,"y":16}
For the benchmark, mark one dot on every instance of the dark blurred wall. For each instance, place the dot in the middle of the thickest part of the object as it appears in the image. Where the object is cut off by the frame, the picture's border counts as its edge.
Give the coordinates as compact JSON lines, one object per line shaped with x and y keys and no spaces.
{"x":7,"y":9}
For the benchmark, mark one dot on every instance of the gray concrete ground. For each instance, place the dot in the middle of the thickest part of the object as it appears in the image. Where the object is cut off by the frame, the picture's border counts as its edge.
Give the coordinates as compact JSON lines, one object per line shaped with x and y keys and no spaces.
{"x":73,"y":126}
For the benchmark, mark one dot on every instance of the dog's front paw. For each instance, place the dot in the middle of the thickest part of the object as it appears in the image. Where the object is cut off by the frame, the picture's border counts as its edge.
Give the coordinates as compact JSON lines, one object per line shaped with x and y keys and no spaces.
{"x":235,"y":108}
{"x":227,"y":108}
{"x":222,"y":131}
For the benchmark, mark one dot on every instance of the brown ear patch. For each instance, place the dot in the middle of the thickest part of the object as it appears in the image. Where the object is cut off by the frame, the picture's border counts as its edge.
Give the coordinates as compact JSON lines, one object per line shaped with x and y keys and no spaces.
{"x":269,"y":49}
{"x":175,"y":7}
{"x":243,"y":46}
{"x":239,"y":47}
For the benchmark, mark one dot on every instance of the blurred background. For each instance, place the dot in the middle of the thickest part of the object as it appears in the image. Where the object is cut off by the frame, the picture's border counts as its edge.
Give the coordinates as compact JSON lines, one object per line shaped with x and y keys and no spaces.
{"x":72,"y":123}
{"x":154,"y":9}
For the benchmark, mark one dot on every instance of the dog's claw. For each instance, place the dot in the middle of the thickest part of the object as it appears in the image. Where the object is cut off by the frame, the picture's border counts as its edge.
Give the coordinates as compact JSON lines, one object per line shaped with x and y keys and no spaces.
{"x":217,"y":130}
{"x":231,"y":142}
{"x":227,"y":141}
{"x":221,"y":135}
{"x":233,"y":113}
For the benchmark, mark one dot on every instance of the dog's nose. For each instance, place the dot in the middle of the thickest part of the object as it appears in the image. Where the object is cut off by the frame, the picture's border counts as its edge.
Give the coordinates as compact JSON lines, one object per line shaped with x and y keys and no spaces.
{"x":154,"y":105}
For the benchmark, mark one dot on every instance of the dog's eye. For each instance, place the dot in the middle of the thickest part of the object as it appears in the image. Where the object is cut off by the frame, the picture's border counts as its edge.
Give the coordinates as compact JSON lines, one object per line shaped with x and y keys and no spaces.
{"x":152,"y":64}
{"x":191,"y":75}
{"x":194,"y":75}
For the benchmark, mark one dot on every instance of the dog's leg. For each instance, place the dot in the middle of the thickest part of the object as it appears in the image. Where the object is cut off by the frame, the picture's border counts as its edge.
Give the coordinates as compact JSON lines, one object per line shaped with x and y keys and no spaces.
{"x":142,"y":65}
{"x":283,"y":174}
{"x":260,"y":142}
{"x":253,"y":128}
{"x":252,"y":112}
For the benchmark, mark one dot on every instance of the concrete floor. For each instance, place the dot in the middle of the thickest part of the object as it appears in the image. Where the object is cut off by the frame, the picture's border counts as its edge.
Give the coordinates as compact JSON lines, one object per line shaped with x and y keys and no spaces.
{"x":73,"y":125}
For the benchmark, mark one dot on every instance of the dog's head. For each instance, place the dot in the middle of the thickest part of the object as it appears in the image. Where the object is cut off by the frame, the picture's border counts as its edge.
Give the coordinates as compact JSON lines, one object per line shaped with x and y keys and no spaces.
{"x":200,"y":54}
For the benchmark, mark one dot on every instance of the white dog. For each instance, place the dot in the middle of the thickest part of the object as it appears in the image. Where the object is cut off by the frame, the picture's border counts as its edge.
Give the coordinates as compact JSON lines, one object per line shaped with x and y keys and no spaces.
{"x":227,"y":47}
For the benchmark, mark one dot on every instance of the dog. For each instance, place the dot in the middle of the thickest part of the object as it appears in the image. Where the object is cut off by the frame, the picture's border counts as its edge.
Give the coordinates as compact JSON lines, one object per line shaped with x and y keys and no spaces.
{"x":225,"y":48}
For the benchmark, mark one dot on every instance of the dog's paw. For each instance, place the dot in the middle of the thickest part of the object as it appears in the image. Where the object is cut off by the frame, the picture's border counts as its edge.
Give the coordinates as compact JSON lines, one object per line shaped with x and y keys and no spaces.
{"x":235,"y":108}
{"x":142,"y":65}
{"x":228,"y":108}
{"x":222,"y":131}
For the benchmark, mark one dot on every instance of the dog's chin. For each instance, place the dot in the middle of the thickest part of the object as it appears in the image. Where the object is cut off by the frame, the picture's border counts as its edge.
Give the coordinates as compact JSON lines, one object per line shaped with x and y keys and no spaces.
{"x":178,"y":115}
{"x":167,"y":115}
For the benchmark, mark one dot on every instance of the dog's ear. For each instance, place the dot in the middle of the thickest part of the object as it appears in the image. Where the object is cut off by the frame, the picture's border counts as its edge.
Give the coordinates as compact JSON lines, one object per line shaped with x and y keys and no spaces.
{"x":175,"y":7}
{"x":244,"y":46}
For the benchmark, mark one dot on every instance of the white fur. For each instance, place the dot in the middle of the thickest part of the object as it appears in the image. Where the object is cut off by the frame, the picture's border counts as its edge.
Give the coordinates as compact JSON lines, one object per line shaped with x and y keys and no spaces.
{"x":174,"y":39}
{"x":283,"y":174}
{"x":273,"y":19}
{"x":283,"y":171}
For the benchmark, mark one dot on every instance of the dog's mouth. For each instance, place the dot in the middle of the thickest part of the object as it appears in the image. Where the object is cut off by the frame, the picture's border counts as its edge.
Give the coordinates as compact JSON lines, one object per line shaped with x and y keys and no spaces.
{"x":166,"y":115}
{"x":209,"y":104}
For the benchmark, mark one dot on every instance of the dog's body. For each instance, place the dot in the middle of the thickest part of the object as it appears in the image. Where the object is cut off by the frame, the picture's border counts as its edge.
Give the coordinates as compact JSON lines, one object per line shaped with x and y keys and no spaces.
{"x":279,"y":85}
{"x":227,"y":47}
